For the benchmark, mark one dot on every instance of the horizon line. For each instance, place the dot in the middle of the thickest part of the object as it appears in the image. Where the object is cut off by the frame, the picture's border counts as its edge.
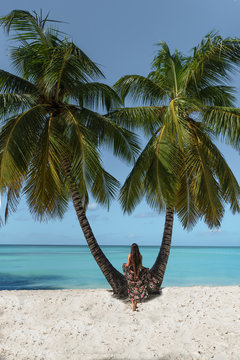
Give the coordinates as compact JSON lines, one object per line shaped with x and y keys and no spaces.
{"x":173,"y":246}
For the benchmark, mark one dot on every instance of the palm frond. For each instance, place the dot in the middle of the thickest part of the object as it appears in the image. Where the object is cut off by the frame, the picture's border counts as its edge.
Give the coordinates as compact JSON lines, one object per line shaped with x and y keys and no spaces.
{"x":185,"y":200}
{"x":91,"y":68}
{"x":68,"y":67}
{"x":185,"y":206}
{"x":139,"y":88}
{"x":45,"y":187}
{"x":204,"y":186}
{"x":104,"y":187}
{"x":151,"y":177}
{"x":27,"y":26}
{"x":13,"y":198}
{"x":31,"y":59}
{"x":159,"y":180}
{"x":14,"y":84}
{"x":94,"y":95}
{"x":86,"y":170}
{"x":212,"y":61}
{"x":230,"y":189}
{"x":148,"y":118}
{"x":125,"y":144}
{"x":133,"y":190}
{"x":11,"y":103}
{"x":167,"y":69}
{"x":18,"y":137}
{"x":217,"y":95}
{"x":223,"y":121}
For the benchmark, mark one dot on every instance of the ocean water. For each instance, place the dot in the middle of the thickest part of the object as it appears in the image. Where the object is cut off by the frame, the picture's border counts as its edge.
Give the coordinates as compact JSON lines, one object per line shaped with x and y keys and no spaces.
{"x":70,"y":267}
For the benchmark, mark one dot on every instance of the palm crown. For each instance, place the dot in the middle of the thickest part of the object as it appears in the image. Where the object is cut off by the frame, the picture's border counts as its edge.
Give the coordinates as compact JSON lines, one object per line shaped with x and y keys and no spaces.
{"x":186,"y":105}
{"x":48,"y":117}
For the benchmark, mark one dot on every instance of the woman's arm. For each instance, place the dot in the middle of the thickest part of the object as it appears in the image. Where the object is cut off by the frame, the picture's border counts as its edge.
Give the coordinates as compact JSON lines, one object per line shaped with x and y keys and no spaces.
{"x":141,"y":267}
{"x":129,"y":257}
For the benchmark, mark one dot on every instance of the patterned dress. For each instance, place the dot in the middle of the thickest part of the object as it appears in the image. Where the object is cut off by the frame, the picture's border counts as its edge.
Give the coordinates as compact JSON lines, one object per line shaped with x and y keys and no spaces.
{"x":137,"y":289}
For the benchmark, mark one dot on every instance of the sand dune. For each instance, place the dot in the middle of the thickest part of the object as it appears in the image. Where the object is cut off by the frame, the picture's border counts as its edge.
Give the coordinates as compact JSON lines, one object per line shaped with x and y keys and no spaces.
{"x":182,"y":323}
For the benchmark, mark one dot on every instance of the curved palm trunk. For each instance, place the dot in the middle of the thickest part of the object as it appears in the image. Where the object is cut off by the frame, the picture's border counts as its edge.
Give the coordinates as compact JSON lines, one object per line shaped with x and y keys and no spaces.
{"x":159,"y":267}
{"x":116,"y":280}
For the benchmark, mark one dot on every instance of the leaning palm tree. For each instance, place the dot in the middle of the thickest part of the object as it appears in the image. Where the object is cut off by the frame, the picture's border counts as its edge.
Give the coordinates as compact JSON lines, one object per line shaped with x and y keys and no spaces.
{"x":51,"y":134}
{"x":186,"y":105}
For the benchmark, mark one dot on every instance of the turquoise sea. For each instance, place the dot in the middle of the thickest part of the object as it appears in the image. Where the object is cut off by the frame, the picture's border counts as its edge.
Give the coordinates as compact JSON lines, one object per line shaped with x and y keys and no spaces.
{"x":71,"y":267}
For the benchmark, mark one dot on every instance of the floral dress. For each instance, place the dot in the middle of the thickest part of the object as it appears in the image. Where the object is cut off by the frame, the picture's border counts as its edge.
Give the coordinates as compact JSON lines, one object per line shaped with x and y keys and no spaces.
{"x":137,"y":289}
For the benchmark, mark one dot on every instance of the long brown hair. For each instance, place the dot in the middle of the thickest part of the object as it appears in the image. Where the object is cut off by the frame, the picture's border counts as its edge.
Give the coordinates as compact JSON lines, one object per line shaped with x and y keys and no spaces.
{"x":135,"y":259}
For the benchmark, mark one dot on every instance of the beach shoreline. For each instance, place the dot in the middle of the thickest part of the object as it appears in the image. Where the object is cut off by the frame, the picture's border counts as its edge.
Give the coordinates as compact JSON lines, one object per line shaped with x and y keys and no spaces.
{"x":198,"y":322}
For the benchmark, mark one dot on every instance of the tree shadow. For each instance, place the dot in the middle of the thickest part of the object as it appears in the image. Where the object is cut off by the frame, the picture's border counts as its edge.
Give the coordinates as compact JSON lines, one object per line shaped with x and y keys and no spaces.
{"x":151,"y":296}
{"x":29,"y":282}
{"x":165,"y":357}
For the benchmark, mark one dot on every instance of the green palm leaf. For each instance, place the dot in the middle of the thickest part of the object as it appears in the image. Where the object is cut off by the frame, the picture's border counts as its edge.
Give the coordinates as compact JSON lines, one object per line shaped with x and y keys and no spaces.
{"x":140,"y":88}
{"x":45,"y":187}
{"x":26,"y":25}
{"x":188,"y":88}
{"x":224,"y":121}
{"x":123,"y":142}
{"x":148,"y":118}
{"x":14,"y":84}
{"x":150,"y":176}
{"x":11,"y":103}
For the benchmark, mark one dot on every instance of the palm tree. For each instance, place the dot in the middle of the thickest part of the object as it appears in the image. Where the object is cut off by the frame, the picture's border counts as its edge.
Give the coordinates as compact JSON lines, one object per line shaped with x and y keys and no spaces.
{"x":51,"y":134}
{"x":185,"y":106}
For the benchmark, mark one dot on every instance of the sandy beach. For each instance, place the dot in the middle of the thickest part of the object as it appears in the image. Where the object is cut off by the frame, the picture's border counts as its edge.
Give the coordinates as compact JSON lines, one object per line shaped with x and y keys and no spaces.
{"x":182,"y":323}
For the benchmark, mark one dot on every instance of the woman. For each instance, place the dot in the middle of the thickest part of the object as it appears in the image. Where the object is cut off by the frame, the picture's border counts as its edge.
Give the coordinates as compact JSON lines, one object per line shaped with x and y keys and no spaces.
{"x":137,"y":280}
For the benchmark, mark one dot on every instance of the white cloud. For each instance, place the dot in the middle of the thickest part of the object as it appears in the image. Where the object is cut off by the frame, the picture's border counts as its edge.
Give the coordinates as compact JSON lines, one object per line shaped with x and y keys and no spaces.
{"x":96,"y":217}
{"x":93,"y":217}
{"x":146,"y":215}
{"x":211,"y":232}
{"x":216,"y":230}
{"x":22,"y":218}
{"x":131,"y":236}
{"x":92,"y":206}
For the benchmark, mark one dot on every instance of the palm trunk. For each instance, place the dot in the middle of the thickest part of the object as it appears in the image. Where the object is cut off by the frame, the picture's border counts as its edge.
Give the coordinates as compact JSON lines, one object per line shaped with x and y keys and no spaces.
{"x":159,"y":267}
{"x":116,"y":280}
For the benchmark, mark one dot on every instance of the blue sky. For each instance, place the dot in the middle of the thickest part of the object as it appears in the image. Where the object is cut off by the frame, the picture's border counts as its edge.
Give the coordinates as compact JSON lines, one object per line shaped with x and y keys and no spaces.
{"x":120,"y":36}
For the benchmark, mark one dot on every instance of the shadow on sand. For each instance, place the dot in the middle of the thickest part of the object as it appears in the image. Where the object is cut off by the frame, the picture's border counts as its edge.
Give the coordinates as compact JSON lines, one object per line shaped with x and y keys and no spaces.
{"x":125,"y":300}
{"x":28,"y":282}
{"x":166,"y":357}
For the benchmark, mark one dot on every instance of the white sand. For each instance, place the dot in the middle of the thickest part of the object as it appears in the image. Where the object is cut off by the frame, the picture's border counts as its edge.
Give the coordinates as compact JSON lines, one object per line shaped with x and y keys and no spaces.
{"x":183,"y":323}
